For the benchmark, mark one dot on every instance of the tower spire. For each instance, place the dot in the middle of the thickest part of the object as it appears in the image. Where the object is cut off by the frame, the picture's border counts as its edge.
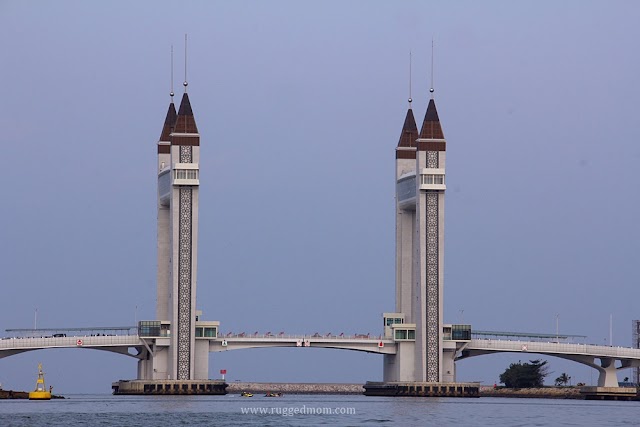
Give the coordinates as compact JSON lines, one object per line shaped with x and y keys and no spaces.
{"x":431,"y":128}
{"x":185,"y":121}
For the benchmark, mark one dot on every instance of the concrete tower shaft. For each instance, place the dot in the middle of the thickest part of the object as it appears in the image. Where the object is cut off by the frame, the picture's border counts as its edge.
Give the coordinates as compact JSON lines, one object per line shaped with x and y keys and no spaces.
{"x":420,"y":186}
{"x":164,"y":164}
{"x":405,"y":214}
{"x":183,"y":211}
{"x":178,"y":196}
{"x":429,"y":261}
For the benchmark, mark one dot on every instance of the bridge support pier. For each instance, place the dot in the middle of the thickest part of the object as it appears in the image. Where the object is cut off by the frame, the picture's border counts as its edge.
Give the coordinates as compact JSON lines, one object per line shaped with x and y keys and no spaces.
{"x":449,"y":365}
{"x":400,"y":366}
{"x":608,"y":376}
{"x":607,"y":369}
{"x":153,"y":363}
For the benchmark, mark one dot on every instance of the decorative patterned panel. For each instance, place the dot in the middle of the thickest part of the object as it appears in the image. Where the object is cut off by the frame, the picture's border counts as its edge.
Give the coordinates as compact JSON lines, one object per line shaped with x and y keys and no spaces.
{"x":433,"y":326}
{"x":185,"y":154}
{"x":184,"y":280}
{"x":432,"y":159}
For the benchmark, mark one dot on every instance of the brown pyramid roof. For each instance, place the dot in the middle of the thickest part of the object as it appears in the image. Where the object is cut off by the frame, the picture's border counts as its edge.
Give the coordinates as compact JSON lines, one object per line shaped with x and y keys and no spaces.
{"x":409,"y":132}
{"x":431,"y":125}
{"x":169,"y":122}
{"x":185,"y":122}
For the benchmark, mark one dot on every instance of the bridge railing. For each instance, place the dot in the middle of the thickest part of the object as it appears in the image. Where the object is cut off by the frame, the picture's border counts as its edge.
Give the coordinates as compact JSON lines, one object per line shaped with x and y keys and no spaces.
{"x":79,"y":341}
{"x":531,"y":337}
{"x":562,"y":348}
{"x":303,"y":336}
{"x":69,"y":332}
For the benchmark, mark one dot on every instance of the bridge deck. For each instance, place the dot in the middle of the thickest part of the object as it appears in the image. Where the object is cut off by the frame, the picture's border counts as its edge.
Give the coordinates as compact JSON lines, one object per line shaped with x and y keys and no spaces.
{"x":366,"y":343}
{"x":493,"y":345}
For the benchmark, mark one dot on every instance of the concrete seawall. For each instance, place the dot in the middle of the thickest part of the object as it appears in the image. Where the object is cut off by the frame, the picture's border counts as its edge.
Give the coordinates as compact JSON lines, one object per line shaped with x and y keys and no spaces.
{"x":340,"y":388}
{"x":295,"y":388}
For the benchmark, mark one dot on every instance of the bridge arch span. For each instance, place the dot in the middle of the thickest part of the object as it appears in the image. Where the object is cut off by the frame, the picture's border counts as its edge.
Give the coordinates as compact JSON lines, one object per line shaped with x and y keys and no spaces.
{"x":123,"y":351}
{"x":585,"y":354}
{"x":131,"y":346}
{"x":377,"y":346}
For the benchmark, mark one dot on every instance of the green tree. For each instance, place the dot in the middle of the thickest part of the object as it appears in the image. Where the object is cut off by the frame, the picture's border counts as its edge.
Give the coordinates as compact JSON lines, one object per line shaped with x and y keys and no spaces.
{"x":563,"y":379}
{"x":525,"y":375}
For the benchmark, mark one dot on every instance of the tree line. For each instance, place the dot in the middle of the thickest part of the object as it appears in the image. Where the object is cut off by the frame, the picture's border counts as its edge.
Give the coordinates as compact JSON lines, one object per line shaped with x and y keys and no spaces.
{"x":530,"y":375}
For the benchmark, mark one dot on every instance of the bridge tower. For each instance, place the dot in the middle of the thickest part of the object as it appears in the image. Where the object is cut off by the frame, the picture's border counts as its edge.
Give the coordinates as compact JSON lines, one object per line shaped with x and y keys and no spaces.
{"x":429,"y":265}
{"x":178,"y":183}
{"x":420,"y":188}
{"x":164,"y":245}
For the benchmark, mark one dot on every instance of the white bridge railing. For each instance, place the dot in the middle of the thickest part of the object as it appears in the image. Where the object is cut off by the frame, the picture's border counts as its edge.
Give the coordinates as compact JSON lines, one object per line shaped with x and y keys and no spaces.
{"x":302,"y":336}
{"x":557,"y":348}
{"x":78,"y":341}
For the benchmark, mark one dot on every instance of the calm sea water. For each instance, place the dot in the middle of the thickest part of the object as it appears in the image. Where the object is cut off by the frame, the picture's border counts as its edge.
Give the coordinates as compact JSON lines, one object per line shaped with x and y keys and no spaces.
{"x":297,"y":410}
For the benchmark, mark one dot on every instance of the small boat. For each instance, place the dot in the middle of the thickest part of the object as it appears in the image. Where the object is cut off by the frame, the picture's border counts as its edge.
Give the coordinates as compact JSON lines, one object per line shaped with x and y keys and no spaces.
{"x":40,"y":393}
{"x":269,"y":394}
{"x":246,"y":394}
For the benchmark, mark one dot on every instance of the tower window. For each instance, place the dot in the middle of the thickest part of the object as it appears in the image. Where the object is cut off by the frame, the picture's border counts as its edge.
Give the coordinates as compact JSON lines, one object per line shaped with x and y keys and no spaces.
{"x":185,"y":174}
{"x":401,"y":334}
{"x":432,"y":179}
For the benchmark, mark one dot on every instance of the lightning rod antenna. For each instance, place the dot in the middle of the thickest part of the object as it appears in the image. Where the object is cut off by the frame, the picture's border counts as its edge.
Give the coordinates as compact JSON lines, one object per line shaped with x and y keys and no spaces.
{"x":431,"y":89}
{"x":185,"y":84}
{"x":171,"y":93}
{"x":410,"y":100}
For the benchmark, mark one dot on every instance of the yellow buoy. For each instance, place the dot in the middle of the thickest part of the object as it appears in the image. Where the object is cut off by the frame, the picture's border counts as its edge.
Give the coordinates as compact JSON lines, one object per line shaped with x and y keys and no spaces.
{"x":40,"y":393}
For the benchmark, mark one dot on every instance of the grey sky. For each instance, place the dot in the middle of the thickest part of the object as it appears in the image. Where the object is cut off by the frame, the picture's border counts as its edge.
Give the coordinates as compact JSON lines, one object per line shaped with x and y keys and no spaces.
{"x":300,"y":106}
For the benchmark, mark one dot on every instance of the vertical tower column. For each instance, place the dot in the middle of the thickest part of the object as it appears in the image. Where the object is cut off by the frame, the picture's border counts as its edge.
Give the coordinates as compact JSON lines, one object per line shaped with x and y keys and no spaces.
{"x":401,"y":366}
{"x":164,"y":183}
{"x":185,"y":156}
{"x":429,"y":247}
{"x":405,"y":215}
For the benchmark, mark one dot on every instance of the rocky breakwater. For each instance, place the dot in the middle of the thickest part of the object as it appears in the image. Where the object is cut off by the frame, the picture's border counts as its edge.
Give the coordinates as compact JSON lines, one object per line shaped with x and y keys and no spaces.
{"x":295,"y":388}
{"x":11,"y":394}
{"x":544,"y":392}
